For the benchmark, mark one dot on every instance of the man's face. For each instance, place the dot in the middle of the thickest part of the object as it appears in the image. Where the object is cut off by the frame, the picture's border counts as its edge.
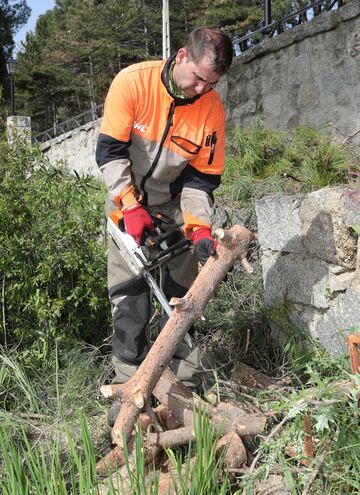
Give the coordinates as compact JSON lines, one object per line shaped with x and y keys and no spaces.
{"x":191,"y":78}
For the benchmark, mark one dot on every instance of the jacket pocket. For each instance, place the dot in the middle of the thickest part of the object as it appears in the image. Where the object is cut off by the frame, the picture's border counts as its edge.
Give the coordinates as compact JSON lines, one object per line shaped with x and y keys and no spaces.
{"x":186,"y":145}
{"x":210,"y":159}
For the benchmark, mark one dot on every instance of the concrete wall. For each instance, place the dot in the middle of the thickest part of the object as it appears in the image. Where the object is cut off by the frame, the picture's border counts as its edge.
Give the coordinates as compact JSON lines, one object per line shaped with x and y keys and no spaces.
{"x":76,"y":147}
{"x":308,"y":76}
{"x":311,"y":262}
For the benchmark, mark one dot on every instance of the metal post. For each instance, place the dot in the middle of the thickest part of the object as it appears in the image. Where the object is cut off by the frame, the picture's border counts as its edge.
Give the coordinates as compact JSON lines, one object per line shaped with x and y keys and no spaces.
{"x":166,"y":30}
{"x":11,"y":66}
{"x":267,"y":12}
{"x":12,"y":96}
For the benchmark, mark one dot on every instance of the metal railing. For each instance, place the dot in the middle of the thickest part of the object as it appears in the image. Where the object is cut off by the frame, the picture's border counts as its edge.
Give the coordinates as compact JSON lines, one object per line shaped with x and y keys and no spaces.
{"x":243,"y":43}
{"x":69,"y":124}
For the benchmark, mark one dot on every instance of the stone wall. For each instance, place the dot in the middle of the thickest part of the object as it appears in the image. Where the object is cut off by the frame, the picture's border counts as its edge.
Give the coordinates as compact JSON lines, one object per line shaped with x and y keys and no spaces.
{"x":76,"y":147}
{"x":307,"y":76}
{"x":311,"y":261}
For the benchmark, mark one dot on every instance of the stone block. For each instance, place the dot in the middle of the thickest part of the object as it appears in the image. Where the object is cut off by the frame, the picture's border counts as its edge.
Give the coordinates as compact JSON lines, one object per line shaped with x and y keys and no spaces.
{"x":249,"y":107}
{"x":325,"y":216}
{"x":295,"y":278}
{"x":279,"y":223}
{"x":351,"y":207}
{"x":307,"y":76}
{"x":299,"y":69}
{"x":18,"y":127}
{"x":340,"y":282}
{"x":309,"y":96}
{"x":336,"y":324}
{"x":76,"y":148}
{"x":337,"y":78}
{"x":273,"y":104}
{"x":305,"y":317}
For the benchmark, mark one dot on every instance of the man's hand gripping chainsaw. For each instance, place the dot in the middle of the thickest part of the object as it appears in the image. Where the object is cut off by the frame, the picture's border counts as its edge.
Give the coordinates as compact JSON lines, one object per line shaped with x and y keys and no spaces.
{"x":157,"y":250}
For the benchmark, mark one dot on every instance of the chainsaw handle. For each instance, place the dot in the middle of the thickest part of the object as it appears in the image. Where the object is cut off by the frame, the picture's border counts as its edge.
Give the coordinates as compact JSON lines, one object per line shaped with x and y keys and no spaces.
{"x":117,"y":217}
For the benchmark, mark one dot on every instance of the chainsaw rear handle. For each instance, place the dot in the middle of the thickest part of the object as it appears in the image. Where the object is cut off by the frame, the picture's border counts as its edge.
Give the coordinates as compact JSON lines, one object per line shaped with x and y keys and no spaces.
{"x":117,"y":217}
{"x":152,"y":240}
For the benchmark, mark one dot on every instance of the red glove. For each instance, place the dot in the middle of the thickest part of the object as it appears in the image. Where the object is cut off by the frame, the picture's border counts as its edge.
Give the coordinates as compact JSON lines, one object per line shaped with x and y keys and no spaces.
{"x":137,"y":221}
{"x":204,"y":244}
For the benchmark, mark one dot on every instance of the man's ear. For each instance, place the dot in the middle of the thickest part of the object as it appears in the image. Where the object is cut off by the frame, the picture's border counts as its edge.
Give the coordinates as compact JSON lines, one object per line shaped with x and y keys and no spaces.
{"x":181,"y":55}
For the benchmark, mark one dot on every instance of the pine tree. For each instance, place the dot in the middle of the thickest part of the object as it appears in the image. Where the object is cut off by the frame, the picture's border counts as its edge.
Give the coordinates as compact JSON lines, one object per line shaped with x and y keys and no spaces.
{"x":12,"y":17}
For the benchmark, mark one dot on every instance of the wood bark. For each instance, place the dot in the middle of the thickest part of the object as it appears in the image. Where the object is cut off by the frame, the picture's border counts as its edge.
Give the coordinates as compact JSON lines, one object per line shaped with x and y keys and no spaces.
{"x":353,"y":346}
{"x":232,"y":245}
{"x":308,"y":440}
{"x":153,"y":444}
{"x":249,"y":377}
{"x":172,"y":393}
{"x":235,"y":452}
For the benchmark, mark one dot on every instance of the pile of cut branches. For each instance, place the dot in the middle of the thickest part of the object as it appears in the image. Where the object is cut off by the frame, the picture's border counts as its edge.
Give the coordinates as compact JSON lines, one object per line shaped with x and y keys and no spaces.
{"x":173,"y":420}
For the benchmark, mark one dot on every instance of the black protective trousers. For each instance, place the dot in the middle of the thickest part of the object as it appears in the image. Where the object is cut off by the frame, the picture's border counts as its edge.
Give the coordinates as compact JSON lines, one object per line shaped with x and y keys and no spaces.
{"x":131,"y":306}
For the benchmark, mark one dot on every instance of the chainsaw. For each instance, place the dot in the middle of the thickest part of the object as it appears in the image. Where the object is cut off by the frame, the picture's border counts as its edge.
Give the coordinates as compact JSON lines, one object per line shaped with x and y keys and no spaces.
{"x":157,"y":249}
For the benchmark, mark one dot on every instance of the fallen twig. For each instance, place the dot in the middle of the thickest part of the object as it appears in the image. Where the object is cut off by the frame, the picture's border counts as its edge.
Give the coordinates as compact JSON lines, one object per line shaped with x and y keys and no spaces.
{"x":269,"y":437}
{"x":318,"y":464}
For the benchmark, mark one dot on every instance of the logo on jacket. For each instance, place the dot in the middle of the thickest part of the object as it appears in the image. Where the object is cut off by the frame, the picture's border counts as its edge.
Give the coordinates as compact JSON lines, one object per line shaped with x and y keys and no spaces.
{"x":140,"y":127}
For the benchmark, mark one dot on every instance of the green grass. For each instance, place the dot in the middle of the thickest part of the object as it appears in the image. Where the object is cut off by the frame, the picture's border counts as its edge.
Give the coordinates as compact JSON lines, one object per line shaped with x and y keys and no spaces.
{"x":206,"y":475}
{"x":69,"y":466}
{"x":311,"y":372}
{"x":57,"y":453}
{"x":260,"y":161}
{"x":51,"y":440}
{"x":28,"y":469}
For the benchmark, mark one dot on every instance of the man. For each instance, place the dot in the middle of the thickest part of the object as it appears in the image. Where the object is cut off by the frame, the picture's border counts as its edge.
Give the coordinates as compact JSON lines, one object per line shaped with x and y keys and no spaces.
{"x":161,"y":149}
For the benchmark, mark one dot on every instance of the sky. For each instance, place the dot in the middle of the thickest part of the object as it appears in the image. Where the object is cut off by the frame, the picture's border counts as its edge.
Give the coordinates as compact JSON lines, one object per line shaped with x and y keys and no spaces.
{"x":38,"y":7}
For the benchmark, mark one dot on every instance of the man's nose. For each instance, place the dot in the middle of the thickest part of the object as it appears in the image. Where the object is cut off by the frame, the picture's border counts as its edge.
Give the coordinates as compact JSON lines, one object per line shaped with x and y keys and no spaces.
{"x":201,"y":87}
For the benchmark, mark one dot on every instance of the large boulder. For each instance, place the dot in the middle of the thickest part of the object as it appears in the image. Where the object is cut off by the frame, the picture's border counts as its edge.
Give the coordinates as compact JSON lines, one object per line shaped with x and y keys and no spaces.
{"x":310,"y":261}
{"x":326,"y":219}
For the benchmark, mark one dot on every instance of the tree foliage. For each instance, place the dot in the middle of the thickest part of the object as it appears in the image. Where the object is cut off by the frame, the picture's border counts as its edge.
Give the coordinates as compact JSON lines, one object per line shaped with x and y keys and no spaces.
{"x":13,"y":15}
{"x":52,"y":268}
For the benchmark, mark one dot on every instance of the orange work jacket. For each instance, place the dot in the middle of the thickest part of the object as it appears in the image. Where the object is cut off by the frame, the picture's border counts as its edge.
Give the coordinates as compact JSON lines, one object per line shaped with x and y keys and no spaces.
{"x":162,"y":144}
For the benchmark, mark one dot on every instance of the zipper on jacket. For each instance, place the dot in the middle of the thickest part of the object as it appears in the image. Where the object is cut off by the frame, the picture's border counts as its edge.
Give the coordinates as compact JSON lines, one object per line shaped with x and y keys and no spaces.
{"x":169,"y":123}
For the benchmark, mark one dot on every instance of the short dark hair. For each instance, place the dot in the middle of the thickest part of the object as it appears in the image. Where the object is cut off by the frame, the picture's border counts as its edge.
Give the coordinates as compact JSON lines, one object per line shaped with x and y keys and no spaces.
{"x":214,"y":43}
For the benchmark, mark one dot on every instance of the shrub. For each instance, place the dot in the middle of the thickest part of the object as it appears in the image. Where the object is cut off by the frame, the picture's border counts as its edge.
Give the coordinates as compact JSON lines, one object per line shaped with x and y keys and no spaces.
{"x":53,"y":270}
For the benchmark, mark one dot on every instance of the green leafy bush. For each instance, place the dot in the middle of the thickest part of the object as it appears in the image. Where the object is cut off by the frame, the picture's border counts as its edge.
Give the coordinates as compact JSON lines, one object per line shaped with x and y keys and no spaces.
{"x":52,"y":268}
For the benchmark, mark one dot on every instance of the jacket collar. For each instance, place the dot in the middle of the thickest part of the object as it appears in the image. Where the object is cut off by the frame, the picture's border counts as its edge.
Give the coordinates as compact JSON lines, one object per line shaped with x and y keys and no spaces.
{"x":165,"y":74}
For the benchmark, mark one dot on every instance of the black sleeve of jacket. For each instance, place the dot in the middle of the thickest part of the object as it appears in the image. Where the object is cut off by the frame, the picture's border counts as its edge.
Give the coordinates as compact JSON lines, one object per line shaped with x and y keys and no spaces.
{"x":194,"y":179}
{"x":109,"y":149}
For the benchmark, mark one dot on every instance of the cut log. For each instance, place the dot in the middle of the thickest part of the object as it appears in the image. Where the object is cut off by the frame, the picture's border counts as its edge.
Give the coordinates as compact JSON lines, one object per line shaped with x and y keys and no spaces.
{"x":308,"y":440}
{"x":167,"y":418}
{"x":169,"y":480}
{"x":232,"y":245}
{"x":354,"y":346}
{"x":249,"y":377}
{"x":273,"y":485}
{"x":153,"y":444}
{"x":235,"y":453}
{"x":172,"y":393}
